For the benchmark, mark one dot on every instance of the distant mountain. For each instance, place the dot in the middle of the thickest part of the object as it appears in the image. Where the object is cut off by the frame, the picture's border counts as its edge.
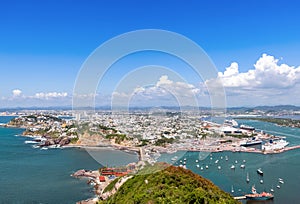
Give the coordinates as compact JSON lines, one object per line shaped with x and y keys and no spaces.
{"x":170,"y":185}
{"x":159,"y":108}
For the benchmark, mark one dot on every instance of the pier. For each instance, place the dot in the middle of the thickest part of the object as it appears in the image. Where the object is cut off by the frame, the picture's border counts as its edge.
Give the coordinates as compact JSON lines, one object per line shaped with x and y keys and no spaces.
{"x":239,"y":197}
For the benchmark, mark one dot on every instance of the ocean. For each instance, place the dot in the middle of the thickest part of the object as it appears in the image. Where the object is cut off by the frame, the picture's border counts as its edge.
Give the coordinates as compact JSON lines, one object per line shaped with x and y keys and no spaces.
{"x":31,"y":175}
{"x":285,"y":166}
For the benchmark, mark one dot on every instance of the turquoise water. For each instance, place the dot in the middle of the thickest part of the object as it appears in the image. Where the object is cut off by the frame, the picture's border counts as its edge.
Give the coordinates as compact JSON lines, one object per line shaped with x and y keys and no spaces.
{"x":31,"y":175}
{"x":285,"y":165}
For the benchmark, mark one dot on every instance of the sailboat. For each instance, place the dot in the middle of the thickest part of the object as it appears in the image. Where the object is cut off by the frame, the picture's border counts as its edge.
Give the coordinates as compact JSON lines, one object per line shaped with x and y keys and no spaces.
{"x":232,"y":190}
{"x":247,"y":179}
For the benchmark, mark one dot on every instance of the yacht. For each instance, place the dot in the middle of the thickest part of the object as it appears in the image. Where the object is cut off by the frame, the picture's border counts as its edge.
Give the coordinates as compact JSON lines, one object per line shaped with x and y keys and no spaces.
{"x":275,"y":145}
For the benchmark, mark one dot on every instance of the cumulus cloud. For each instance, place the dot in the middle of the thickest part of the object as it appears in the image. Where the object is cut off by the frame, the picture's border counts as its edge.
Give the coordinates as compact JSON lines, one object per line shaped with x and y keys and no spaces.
{"x":269,"y":82}
{"x":16,"y":92}
{"x":267,"y":73}
{"x":164,"y":90}
{"x":50,"y":95}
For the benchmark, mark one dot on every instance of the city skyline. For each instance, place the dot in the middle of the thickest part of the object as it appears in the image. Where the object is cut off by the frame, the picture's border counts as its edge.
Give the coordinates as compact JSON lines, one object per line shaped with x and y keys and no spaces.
{"x":254,"y":47}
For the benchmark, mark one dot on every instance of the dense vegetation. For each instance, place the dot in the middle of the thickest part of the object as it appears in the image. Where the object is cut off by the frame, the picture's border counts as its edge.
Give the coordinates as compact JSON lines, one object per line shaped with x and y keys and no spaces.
{"x":279,"y":121}
{"x":170,"y":185}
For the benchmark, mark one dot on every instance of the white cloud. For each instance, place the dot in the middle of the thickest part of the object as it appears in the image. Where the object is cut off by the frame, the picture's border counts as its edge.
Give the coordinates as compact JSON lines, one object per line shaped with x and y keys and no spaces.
{"x":16,"y":92}
{"x":164,"y":90}
{"x":267,"y":83}
{"x":268,"y":73}
{"x":50,"y":95}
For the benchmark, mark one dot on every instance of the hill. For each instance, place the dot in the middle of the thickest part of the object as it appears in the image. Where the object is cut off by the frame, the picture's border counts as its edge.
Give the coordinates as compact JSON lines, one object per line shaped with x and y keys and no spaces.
{"x":170,"y":185}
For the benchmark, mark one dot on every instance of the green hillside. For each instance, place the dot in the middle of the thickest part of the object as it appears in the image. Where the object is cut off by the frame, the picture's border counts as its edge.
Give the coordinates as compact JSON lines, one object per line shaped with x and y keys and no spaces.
{"x":170,"y":185}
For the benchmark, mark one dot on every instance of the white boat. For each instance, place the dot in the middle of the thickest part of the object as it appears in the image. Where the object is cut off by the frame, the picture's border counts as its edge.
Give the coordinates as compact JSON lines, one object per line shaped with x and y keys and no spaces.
{"x":247,"y":179}
{"x":201,"y":168}
{"x":244,"y":161}
{"x":226,"y":158}
{"x":174,"y":158}
{"x":281,"y":181}
{"x":216,"y":161}
{"x":261,"y":181}
{"x":232,"y":190}
{"x":30,"y":142}
{"x":260,"y":172}
{"x":278,"y":186}
{"x":236,"y":161}
{"x":219,"y":167}
{"x":206,"y":167}
{"x":198,"y":165}
{"x":232,"y":167}
{"x":44,"y":148}
{"x":231,"y":122}
{"x":197,"y":161}
{"x":247,"y":127}
{"x":273,"y":145}
{"x":243,"y":166}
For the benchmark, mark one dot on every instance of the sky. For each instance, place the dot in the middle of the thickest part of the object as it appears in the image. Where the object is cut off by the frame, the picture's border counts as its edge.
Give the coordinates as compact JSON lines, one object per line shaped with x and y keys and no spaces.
{"x":254,"y":46}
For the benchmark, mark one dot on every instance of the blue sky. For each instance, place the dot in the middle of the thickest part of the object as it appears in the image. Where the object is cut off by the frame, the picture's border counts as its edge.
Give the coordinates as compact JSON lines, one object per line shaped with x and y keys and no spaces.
{"x":44,"y":43}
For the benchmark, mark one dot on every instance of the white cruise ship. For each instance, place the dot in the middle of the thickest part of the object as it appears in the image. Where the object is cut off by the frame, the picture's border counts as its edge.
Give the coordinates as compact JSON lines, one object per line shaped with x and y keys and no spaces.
{"x":274,"y":145}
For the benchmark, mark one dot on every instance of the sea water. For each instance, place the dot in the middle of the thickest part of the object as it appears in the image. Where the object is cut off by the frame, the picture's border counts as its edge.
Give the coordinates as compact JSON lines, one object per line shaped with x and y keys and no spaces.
{"x":32,"y":175}
{"x":284,"y":165}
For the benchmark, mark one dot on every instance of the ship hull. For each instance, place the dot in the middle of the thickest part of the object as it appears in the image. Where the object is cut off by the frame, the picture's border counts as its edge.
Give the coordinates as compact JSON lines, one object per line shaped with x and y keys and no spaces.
{"x":259,"y":198}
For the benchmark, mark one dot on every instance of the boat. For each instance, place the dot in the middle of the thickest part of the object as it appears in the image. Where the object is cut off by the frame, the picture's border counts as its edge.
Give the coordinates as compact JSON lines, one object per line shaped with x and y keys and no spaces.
{"x":247,"y":179}
{"x":206,"y":167}
{"x":236,"y":161}
{"x":259,"y":196}
{"x":278,"y":186}
{"x":198,"y":165}
{"x":272,"y":189}
{"x":232,"y":167}
{"x":280,"y":181}
{"x":274,"y":145}
{"x":174,"y":158}
{"x":30,"y":142}
{"x":197,"y":161}
{"x":250,"y":142}
{"x":219,"y":167}
{"x":216,"y":161}
{"x":247,"y":127}
{"x":244,"y":161}
{"x":231,"y":123}
{"x":243,"y":166}
{"x":260,"y":172}
{"x":226,"y":158}
{"x":232,"y":190}
{"x":201,"y":168}
{"x":261,"y":181}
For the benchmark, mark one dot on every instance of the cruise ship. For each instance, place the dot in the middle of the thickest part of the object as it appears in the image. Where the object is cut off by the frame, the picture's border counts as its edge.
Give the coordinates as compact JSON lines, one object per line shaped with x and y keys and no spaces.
{"x":247,"y":127}
{"x":250,"y":142}
{"x":231,"y":123}
{"x":275,"y":145}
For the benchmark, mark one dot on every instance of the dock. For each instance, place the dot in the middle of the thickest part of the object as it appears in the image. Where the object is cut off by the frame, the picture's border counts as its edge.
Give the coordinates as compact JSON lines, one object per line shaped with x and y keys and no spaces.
{"x":239,"y":197}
